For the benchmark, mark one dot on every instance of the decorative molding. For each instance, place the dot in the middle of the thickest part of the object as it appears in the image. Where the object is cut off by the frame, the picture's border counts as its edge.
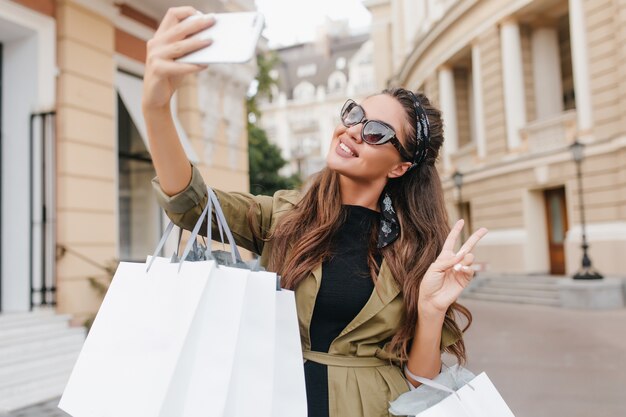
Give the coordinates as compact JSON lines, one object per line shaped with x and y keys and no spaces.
{"x":133,"y":27}
{"x":531,"y":161}
{"x":145,"y":8}
{"x":100,"y":7}
{"x":129,"y":65}
{"x":499,"y":237}
{"x":598,"y":232}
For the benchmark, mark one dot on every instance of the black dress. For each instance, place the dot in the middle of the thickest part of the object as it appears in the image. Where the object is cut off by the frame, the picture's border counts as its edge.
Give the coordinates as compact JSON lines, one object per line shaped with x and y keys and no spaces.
{"x":346,"y":286}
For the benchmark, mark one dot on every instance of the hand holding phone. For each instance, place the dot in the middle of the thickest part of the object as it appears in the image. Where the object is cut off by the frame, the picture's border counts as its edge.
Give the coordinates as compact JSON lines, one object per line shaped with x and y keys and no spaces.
{"x":234,"y":36}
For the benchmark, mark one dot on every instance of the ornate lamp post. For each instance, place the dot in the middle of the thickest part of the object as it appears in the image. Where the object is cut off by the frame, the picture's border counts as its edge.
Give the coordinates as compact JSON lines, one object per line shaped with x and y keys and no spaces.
{"x":457,"y":177}
{"x":586,"y":271}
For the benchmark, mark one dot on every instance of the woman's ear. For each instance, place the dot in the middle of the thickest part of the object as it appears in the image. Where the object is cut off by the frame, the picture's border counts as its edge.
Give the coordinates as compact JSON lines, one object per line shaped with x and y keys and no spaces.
{"x":399,"y":170}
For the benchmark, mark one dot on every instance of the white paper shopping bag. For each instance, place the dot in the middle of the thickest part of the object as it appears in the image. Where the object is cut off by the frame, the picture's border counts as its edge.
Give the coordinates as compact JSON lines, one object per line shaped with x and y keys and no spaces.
{"x":478,"y":398}
{"x":252,"y":383}
{"x":191,"y":339}
{"x":130,"y":355}
{"x":213,"y":341}
{"x":289,"y":397}
{"x":464,"y":395}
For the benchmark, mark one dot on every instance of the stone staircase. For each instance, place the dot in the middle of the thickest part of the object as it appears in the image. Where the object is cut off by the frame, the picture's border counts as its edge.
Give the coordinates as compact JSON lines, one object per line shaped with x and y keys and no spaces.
{"x":524,"y":289}
{"x":37,"y":353}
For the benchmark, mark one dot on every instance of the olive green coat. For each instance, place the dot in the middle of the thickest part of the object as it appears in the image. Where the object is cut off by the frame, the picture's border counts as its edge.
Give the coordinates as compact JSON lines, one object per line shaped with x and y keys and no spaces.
{"x":361,"y":376}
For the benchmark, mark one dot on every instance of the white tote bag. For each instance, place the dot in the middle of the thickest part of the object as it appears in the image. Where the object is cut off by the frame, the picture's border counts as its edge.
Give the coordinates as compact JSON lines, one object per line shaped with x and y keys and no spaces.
{"x":268,"y":374}
{"x":252,"y":384}
{"x":289,"y":397}
{"x":200,"y":339}
{"x":131,"y":354}
{"x":464,"y":395}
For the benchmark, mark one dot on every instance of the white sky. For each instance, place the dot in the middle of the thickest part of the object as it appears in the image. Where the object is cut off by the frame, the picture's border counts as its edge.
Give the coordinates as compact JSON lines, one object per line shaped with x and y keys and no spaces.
{"x":292,"y":21}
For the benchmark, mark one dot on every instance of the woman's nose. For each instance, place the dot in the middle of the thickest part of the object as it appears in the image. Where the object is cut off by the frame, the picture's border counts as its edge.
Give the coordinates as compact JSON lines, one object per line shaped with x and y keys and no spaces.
{"x":355,"y":132}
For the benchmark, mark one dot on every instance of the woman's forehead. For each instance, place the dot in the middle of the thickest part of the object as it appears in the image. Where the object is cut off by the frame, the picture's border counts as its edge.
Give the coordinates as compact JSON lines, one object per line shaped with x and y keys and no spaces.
{"x":387,"y":109}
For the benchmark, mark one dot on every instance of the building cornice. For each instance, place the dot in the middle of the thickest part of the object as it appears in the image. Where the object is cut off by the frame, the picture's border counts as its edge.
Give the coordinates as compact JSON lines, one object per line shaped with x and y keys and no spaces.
{"x":407,"y":69}
{"x":133,"y":27}
{"x":505,"y":167}
{"x":431,"y":36}
{"x":146,"y":8}
{"x":103,"y":8}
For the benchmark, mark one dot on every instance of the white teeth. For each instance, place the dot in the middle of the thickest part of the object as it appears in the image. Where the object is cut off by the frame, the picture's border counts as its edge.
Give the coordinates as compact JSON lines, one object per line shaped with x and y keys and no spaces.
{"x":345,"y":148}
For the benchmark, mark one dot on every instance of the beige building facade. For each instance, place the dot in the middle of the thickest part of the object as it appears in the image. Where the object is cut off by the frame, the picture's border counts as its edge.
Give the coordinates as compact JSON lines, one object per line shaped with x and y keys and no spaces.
{"x":518,"y":82}
{"x":76,"y":170}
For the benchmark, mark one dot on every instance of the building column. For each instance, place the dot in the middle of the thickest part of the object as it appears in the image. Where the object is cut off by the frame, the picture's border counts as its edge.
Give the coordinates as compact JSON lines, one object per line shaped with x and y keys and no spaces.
{"x":381,"y":36}
{"x":477,"y":102}
{"x":87,"y":157}
{"x":580,"y":66}
{"x":447,"y":101}
{"x":547,"y":72}
{"x":513,"y":75}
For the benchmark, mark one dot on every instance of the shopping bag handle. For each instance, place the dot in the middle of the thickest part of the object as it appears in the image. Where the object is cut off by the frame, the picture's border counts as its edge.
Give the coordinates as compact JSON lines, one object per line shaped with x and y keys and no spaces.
{"x":212,"y":201}
{"x":166,"y":234}
{"x":428,"y":382}
{"x":441,"y":387}
{"x":168,"y":231}
{"x":223,"y":224}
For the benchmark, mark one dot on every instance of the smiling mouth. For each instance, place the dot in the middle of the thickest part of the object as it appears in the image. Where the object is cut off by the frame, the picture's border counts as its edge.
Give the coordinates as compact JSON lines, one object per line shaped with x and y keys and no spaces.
{"x":347,"y":149}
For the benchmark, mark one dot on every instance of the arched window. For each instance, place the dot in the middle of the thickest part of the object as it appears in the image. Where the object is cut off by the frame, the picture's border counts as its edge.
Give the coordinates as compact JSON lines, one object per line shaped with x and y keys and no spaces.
{"x":304,"y":91}
{"x":337,"y":82}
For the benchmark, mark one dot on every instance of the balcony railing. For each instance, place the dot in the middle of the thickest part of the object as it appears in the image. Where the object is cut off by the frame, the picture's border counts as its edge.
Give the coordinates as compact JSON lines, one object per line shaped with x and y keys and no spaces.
{"x":551,"y":133}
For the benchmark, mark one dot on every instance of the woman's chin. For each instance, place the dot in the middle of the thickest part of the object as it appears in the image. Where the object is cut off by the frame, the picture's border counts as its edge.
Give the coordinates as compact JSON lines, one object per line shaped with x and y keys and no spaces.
{"x":334,"y":163}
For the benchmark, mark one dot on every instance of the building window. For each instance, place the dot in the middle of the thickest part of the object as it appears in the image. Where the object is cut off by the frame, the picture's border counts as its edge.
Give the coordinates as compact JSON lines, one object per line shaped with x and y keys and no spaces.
{"x":337,"y":82}
{"x":463,"y":98}
{"x":567,"y":76}
{"x":140,"y":218}
{"x":304,"y":91}
{"x":307,"y":70}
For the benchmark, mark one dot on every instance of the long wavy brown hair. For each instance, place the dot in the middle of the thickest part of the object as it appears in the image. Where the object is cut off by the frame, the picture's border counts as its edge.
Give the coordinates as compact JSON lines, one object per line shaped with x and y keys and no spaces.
{"x":302,"y":238}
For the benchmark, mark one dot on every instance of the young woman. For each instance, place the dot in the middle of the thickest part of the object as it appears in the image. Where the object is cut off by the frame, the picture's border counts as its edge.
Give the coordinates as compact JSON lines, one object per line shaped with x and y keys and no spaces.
{"x":366,"y":247}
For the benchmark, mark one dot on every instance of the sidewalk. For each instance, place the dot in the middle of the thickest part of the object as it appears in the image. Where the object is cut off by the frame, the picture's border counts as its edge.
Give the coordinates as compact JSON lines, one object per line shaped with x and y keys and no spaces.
{"x":548,"y":361}
{"x":545,"y":361}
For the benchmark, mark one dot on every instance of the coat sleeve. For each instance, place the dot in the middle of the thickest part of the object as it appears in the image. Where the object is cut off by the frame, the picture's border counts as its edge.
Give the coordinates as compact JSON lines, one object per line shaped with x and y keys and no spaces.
{"x":185,"y":208}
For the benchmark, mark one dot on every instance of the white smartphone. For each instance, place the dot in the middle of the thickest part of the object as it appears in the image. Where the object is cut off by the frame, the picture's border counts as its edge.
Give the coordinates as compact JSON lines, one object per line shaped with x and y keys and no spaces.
{"x":235,"y":36}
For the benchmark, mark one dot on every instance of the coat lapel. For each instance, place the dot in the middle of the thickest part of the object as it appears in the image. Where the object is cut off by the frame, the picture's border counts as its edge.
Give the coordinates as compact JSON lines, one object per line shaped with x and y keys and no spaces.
{"x":306,"y":294}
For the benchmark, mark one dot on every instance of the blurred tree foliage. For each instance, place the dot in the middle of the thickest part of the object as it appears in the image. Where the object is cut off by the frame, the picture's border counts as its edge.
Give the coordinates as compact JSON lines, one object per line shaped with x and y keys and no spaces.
{"x":264,"y":157}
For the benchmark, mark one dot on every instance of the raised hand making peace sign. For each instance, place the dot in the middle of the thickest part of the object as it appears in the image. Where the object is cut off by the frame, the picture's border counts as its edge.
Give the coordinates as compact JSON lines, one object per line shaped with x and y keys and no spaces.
{"x":446,"y":278}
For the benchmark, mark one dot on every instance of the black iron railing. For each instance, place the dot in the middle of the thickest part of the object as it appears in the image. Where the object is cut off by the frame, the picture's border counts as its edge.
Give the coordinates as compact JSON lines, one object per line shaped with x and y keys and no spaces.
{"x":42,"y":194}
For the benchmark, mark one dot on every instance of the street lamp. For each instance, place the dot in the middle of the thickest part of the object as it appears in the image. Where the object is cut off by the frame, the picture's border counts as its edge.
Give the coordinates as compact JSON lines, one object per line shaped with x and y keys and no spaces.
{"x":457,"y":177}
{"x":586,"y":271}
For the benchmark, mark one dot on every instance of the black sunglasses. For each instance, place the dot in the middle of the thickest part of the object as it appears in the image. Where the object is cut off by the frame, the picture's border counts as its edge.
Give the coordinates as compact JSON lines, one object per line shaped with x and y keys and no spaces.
{"x":374,"y":132}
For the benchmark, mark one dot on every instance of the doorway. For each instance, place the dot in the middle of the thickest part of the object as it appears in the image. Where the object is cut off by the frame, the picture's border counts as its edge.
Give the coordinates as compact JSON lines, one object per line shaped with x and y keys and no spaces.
{"x":556,"y":220}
